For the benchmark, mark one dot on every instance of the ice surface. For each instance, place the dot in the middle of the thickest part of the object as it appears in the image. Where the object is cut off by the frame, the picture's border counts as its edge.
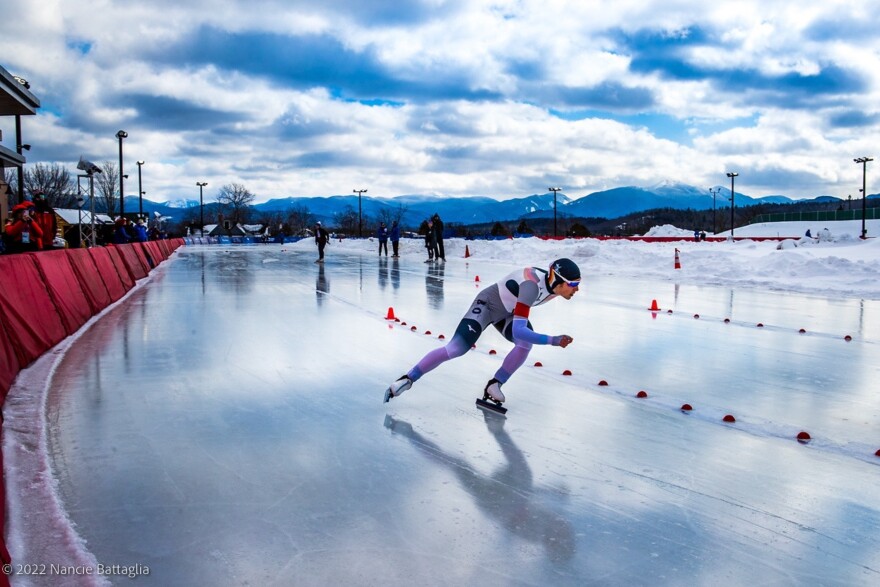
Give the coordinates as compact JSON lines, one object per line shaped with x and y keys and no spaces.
{"x":224,"y":425}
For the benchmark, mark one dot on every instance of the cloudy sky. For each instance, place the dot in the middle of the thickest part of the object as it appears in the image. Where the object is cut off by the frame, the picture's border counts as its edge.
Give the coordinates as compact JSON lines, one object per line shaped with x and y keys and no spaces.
{"x":501,"y":98}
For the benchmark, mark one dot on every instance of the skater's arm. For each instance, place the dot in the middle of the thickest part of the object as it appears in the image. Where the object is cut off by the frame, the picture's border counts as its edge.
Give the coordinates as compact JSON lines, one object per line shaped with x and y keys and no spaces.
{"x":528,"y":293}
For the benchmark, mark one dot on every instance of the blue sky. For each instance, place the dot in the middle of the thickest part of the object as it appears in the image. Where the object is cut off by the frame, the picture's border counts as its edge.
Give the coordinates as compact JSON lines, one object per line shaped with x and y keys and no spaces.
{"x":462,"y":97}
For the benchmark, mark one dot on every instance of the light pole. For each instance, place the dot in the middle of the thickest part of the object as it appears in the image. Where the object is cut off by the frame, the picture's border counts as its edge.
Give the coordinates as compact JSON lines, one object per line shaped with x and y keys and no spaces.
{"x":121,"y":135}
{"x":141,"y":192}
{"x":864,"y":162}
{"x":360,"y":218}
{"x":554,"y":190}
{"x":731,"y":175}
{"x":714,"y":192}
{"x":201,"y":185}
{"x":79,"y":204}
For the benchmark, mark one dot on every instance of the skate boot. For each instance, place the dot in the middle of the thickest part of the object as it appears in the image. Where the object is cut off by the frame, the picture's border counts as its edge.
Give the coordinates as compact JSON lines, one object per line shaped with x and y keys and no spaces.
{"x":493,"y":391}
{"x":492,"y":397}
{"x":399,"y":386}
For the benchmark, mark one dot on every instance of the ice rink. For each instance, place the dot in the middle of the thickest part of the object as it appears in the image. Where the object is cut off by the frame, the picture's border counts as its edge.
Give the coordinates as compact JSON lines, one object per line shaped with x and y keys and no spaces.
{"x":224,"y":425}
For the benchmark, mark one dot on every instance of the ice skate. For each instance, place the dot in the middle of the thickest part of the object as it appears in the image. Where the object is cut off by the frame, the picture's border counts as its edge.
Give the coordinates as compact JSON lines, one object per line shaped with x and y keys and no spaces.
{"x":492,"y":397}
{"x":399,"y":386}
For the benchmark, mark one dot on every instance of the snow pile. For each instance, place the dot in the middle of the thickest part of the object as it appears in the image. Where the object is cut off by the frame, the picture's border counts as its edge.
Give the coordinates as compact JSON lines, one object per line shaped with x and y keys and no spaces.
{"x":668,"y":230}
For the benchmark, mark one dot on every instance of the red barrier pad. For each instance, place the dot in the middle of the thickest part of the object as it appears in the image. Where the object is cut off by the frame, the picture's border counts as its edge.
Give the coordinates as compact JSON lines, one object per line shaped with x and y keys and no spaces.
{"x":26,"y":310}
{"x":108,"y":273}
{"x":163,"y":244}
{"x":121,"y":269}
{"x":9,"y":366}
{"x":64,"y":289}
{"x":89,"y":280}
{"x":157,"y":252}
{"x":148,"y":253}
{"x":138,"y":251}
{"x":130,"y":262}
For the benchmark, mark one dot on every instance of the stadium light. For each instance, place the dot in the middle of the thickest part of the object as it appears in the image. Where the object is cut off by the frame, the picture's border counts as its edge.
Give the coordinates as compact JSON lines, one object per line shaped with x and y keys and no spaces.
{"x":360,"y":217}
{"x":121,"y":135}
{"x":864,"y":162}
{"x":554,"y":190}
{"x":201,"y":185}
{"x":731,"y":175}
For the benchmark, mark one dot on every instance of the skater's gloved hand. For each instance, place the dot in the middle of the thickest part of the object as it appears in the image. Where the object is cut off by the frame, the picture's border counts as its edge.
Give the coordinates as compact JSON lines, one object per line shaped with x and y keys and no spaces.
{"x":562,"y":340}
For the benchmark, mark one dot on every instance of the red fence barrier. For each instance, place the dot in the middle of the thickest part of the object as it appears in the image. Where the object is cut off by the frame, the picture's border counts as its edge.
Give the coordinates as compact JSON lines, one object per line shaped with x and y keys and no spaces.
{"x":45,"y":297}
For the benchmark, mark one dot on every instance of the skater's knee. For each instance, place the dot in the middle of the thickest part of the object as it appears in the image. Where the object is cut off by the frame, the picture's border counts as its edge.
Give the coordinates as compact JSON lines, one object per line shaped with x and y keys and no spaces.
{"x":457,"y":347}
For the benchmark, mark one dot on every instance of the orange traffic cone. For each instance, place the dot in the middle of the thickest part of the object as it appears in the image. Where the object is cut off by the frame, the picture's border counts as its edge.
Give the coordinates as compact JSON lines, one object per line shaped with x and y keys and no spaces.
{"x":677,"y":260}
{"x":477,"y":279}
{"x":654,"y":307}
{"x":467,"y":252}
{"x":390,"y":315}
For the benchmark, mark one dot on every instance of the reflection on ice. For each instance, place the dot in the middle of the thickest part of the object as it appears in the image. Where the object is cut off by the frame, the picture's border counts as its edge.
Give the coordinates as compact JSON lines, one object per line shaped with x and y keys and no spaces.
{"x":508,"y":495}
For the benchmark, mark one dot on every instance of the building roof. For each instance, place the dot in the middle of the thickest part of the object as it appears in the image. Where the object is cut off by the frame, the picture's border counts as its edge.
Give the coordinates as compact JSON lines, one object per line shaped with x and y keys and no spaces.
{"x":15,"y":95}
{"x":71,"y":216}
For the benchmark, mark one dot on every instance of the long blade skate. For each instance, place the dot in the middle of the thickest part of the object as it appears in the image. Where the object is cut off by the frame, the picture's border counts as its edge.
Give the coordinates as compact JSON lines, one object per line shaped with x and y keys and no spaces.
{"x":487,"y":403}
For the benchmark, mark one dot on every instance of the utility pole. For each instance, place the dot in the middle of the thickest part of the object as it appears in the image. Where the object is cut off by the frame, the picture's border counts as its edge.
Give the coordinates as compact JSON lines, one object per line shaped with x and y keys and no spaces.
{"x":554,"y":190}
{"x":731,"y":175}
{"x":864,"y":162}
{"x":360,"y":217}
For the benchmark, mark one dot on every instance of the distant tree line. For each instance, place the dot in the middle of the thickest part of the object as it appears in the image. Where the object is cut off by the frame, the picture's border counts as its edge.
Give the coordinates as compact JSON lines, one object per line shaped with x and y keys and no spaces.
{"x":234,"y":203}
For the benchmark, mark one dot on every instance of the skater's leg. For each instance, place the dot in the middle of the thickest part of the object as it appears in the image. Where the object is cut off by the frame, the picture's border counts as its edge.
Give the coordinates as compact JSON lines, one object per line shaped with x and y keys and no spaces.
{"x":456,"y":348}
{"x":513,"y":361}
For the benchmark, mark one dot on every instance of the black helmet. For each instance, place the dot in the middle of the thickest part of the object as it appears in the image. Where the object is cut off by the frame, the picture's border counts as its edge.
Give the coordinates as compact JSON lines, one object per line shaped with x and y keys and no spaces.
{"x":562,"y":271}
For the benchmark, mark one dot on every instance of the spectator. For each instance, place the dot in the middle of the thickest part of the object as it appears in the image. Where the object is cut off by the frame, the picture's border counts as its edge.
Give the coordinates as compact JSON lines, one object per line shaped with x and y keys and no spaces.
{"x":321,"y":238}
{"x":44,"y":215}
{"x":430,"y":241}
{"x":382,"y":235}
{"x":439,"y":252}
{"x":394,"y":235}
{"x":141,"y":231}
{"x":22,"y":234}
{"x":120,"y":234}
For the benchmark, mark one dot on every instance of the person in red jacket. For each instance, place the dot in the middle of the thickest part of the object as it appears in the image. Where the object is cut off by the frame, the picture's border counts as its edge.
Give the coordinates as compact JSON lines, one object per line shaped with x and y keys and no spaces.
{"x":44,"y":215}
{"x":23,"y":234}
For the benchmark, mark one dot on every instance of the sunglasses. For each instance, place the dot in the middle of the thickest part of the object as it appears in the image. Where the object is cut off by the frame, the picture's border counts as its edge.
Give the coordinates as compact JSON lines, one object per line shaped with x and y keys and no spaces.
{"x":573,"y":283}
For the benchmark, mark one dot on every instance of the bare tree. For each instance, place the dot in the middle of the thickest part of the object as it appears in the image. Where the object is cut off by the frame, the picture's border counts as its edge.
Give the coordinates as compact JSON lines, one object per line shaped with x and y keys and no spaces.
{"x":107,"y":188}
{"x":53,"y":180}
{"x":235,"y":202}
{"x":347,"y":220}
{"x":298,"y":219}
{"x":11,"y":178}
{"x":391,"y":215}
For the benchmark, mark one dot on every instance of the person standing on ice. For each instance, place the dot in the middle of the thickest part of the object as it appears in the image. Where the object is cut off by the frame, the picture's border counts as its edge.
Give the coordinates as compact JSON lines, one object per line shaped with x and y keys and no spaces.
{"x":321,"y":238}
{"x":504,"y":305}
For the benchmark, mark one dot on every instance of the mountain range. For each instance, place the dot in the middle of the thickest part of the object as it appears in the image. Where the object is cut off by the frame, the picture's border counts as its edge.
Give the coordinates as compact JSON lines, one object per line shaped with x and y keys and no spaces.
{"x":612,"y":203}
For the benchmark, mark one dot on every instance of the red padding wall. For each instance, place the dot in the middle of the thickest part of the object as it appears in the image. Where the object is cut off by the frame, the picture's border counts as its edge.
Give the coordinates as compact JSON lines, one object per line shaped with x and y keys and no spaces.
{"x":121,"y":269}
{"x":64,"y":289}
{"x":89,"y":279}
{"x":9,"y":365}
{"x":131,"y":261}
{"x":108,"y":273}
{"x":28,"y":314}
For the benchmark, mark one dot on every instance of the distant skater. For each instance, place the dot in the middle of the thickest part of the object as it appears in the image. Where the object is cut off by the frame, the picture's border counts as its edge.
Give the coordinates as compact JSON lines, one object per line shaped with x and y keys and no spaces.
{"x":394,"y":235}
{"x":439,"y":252}
{"x":504,"y":305}
{"x":430,"y":241}
{"x":382,"y":235}
{"x":321,"y":238}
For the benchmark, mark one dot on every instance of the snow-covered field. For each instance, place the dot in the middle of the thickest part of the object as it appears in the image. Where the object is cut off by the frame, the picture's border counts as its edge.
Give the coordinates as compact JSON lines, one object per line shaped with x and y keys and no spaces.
{"x":845,"y":265}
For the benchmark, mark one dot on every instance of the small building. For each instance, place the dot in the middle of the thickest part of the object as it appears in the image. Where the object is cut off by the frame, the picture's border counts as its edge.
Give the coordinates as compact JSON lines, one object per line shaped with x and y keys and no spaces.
{"x":15,"y":100}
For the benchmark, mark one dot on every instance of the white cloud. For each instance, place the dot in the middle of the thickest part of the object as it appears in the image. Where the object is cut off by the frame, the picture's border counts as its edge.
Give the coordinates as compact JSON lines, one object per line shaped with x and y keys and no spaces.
{"x":282,"y":133}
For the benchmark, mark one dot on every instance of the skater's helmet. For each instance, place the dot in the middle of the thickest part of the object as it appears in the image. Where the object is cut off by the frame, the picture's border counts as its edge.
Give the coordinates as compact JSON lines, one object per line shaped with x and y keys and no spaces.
{"x":563,"y":271}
